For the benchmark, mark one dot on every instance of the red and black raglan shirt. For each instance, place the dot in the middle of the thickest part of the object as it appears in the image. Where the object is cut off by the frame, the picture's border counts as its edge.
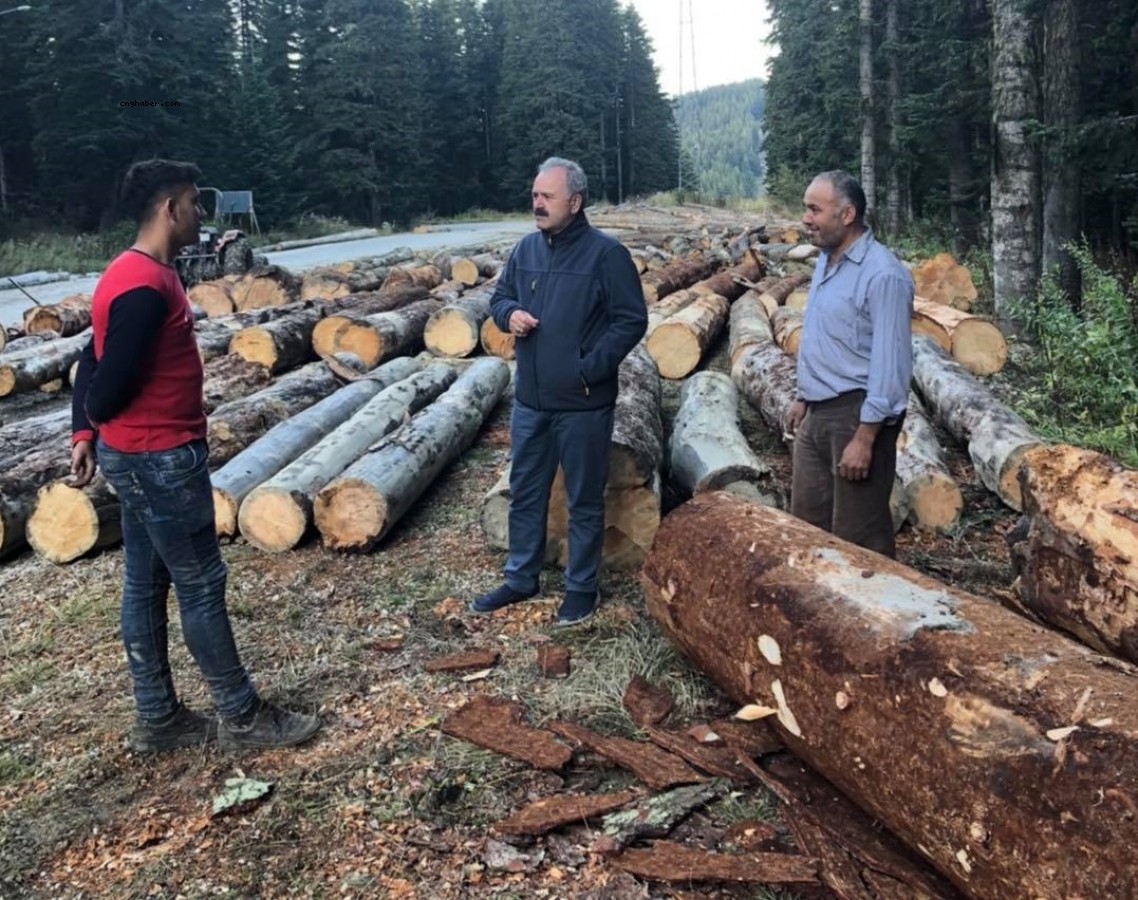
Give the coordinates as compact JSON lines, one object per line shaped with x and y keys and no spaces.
{"x":139,"y":383}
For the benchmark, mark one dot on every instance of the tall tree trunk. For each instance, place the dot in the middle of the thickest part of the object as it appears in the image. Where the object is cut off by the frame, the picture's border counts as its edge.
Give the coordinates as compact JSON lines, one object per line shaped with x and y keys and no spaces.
{"x":1015,"y":176}
{"x":868,"y":145}
{"x":961,"y":189}
{"x":893,"y":175}
{"x":1061,"y":172}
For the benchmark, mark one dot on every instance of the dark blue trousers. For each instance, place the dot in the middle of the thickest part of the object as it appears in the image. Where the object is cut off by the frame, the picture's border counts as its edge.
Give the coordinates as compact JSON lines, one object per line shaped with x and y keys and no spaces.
{"x":540,"y":440}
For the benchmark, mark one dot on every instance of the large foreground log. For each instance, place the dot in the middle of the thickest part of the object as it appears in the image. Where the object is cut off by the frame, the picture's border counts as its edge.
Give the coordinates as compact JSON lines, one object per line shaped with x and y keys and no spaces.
{"x":974,"y":342}
{"x":935,"y":500}
{"x":680,"y":342}
{"x":33,"y":367}
{"x":277,"y":514}
{"x":996,"y":437}
{"x":455,"y":329}
{"x":356,"y":510}
{"x":1076,"y":559}
{"x":1004,"y":753}
{"x":68,"y":317}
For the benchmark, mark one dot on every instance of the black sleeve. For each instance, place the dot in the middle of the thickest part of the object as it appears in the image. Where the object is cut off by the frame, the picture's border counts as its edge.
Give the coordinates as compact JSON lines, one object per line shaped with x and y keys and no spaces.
{"x":83,"y":376}
{"x":136,"y":318}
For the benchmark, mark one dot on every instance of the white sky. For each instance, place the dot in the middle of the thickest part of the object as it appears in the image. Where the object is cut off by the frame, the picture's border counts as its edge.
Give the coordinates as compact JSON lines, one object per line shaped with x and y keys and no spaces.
{"x":730,"y":40}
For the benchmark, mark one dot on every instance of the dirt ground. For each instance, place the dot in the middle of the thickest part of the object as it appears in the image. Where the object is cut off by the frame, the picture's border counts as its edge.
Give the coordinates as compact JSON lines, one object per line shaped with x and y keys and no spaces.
{"x":382,"y":804}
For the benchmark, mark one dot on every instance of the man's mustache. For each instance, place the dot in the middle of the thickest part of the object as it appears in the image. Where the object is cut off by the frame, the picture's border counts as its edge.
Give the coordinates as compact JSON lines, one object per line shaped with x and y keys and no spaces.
{"x":541,"y":213}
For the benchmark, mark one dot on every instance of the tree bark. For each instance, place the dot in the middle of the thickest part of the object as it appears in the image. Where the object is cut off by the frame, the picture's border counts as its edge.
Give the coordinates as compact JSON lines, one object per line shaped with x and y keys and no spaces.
{"x":455,"y":329}
{"x":935,"y":500}
{"x":417,"y":276}
{"x":496,"y":342}
{"x":726,"y":283}
{"x":893,"y":176}
{"x":265,"y":286}
{"x":230,"y":378}
{"x":67,"y":523}
{"x":776,"y":295}
{"x":786,"y":326}
{"x":707,"y":451}
{"x":678,"y":274}
{"x":386,"y":335}
{"x":1076,"y":559}
{"x":749,"y":324}
{"x":638,"y":432}
{"x":680,"y":343}
{"x":26,"y":370}
{"x":68,"y":317}
{"x":276,"y":515}
{"x":995,"y":436}
{"x":356,"y":510}
{"x":872,"y":667}
{"x":868,"y":107}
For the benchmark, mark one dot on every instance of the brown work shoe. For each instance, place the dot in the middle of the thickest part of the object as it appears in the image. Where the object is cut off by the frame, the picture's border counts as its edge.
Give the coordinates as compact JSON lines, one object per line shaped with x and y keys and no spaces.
{"x":182,"y":728}
{"x":267,"y":726}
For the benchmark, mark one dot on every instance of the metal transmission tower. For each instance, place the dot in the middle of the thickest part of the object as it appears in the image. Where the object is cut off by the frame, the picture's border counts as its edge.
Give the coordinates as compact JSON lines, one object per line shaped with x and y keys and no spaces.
{"x":687,"y":22}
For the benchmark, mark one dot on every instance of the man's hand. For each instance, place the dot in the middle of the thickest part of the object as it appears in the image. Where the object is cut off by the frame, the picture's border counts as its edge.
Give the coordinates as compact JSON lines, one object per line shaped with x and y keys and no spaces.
{"x":82,"y":464}
{"x":521,"y":323}
{"x":795,"y":413}
{"x":857,"y":456}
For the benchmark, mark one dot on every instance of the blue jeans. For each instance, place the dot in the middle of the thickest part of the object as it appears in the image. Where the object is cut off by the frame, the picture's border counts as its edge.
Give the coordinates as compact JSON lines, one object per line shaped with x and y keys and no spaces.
{"x":169,"y":537}
{"x":580,"y":441}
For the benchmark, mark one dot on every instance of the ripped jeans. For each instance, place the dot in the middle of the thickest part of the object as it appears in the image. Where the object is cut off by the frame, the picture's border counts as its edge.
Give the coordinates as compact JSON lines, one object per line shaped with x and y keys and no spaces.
{"x":169,"y":538}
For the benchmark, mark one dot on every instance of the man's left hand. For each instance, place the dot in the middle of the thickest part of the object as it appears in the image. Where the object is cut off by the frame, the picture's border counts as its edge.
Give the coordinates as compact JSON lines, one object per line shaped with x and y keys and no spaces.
{"x":857,"y":456}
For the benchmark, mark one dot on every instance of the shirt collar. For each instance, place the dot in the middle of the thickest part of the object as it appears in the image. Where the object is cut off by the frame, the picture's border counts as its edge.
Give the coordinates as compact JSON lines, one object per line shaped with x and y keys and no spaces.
{"x":856,"y":251}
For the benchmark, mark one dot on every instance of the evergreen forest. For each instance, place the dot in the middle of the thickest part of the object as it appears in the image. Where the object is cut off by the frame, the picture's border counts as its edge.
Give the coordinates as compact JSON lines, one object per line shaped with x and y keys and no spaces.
{"x":721,"y":134}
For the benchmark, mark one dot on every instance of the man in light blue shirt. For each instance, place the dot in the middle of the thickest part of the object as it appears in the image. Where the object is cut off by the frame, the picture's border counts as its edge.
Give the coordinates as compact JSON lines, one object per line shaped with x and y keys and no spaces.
{"x":855,"y":360}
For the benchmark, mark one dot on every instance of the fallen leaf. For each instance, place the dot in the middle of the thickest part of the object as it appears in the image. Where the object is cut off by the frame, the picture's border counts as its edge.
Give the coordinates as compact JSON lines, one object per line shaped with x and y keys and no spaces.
{"x":752,"y":712}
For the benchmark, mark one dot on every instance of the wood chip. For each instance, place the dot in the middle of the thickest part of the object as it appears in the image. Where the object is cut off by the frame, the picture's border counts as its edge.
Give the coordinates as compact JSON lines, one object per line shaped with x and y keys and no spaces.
{"x":752,"y":712}
{"x":499,"y":725}
{"x":669,"y":861}
{"x":647,"y":703}
{"x":463,"y":662}
{"x":655,"y":767}
{"x":553,"y":661}
{"x":554,"y":812}
{"x":1057,"y":734}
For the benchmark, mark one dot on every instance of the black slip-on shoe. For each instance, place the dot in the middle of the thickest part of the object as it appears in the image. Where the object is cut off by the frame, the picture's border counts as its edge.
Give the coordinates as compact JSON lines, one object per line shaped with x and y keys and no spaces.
{"x":577,"y":607}
{"x":499,"y":598}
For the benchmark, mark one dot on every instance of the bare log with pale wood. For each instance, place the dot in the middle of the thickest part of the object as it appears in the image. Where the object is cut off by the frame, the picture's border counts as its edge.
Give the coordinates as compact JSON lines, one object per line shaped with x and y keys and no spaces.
{"x":638,"y":431}
{"x":678,"y":274}
{"x":455,"y":329}
{"x":972,"y":734}
{"x":797,"y":299}
{"x":265,"y":286}
{"x":679,"y":343}
{"x":67,"y":523}
{"x":776,"y":294}
{"x":974,"y":342}
{"x":470,"y":269}
{"x":707,"y":451}
{"x":215,"y":297}
{"x":339,"y":314}
{"x":786,"y":326}
{"x":33,"y":367}
{"x":659,"y":313}
{"x":748,"y":324}
{"x":935,"y":500}
{"x":495,"y":341}
{"x":1075,"y":554}
{"x":386,"y":335}
{"x":427,"y":276}
{"x":995,"y":436}
{"x":276,"y":515}
{"x":68,"y":317}
{"x":943,"y":280}
{"x":358,"y":508}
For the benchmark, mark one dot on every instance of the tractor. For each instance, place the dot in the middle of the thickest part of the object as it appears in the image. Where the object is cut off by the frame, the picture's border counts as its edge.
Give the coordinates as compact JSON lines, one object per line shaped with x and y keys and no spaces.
{"x":218,"y":252}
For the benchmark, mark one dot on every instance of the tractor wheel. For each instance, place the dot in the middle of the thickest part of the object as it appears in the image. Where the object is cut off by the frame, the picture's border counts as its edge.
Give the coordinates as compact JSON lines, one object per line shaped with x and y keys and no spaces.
{"x":237,"y":258}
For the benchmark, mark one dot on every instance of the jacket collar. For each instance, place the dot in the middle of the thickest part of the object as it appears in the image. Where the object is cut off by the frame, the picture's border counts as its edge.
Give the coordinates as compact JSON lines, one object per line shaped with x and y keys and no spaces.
{"x":577,"y":227}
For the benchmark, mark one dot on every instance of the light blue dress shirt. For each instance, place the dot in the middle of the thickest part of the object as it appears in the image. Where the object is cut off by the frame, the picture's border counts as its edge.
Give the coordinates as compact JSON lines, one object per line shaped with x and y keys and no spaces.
{"x":857,"y":333}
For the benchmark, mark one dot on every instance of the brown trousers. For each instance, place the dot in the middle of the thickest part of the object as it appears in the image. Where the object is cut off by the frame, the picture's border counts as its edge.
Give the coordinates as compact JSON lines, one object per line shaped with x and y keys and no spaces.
{"x":856,"y":511}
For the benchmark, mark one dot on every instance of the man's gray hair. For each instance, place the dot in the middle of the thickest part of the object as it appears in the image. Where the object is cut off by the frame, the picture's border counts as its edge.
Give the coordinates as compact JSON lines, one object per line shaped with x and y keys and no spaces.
{"x":574,"y":175}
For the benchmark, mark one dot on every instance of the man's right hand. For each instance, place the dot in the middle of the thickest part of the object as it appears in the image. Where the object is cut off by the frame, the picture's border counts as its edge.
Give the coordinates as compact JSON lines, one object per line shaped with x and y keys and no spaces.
{"x":521,"y":323}
{"x":82,"y":464}
{"x":795,"y":413}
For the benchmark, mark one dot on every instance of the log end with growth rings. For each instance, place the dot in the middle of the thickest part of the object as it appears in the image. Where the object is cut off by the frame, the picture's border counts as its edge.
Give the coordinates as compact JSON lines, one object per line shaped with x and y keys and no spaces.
{"x":363,"y":341}
{"x":326,"y":333}
{"x":224,"y":513}
{"x":350,"y":515}
{"x":64,"y":524}
{"x":273,"y":520}
{"x":254,"y":345}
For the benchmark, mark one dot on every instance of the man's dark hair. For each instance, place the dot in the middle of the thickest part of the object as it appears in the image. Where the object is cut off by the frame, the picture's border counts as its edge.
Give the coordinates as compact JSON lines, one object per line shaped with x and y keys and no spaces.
{"x":848,"y":190}
{"x":153,"y":180}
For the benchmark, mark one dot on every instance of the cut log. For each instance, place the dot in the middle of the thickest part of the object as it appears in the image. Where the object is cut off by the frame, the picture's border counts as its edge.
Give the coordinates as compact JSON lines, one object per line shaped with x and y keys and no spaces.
{"x":265,"y":286}
{"x":669,"y":861}
{"x":659,"y":313}
{"x":555,"y":812}
{"x":974,"y":342}
{"x":776,"y":295}
{"x":28,"y":341}
{"x":278,"y":345}
{"x":748,"y":324}
{"x":1076,"y":561}
{"x":496,"y":342}
{"x":455,"y":329}
{"x":356,"y":510}
{"x":786,"y":326}
{"x":18,"y":438}
{"x":276,"y":515}
{"x":657,"y":768}
{"x":729,"y":283}
{"x":449,"y":291}
{"x":22,"y":475}
{"x":341,"y":314}
{"x":935,"y":500}
{"x":68,"y":522}
{"x":469,"y":269}
{"x":230,"y":378}
{"x":941,"y":688}
{"x":943,"y":280}
{"x":499,"y":725}
{"x":386,"y":335}
{"x":680,"y":273}
{"x":29,"y":369}
{"x":68,"y":317}
{"x":995,"y":436}
{"x":332,"y":283}
{"x":679,"y":343}
{"x":797,"y":299}
{"x":414,"y":276}
{"x":706,"y":450}
{"x":657,"y":815}
{"x":215,"y":297}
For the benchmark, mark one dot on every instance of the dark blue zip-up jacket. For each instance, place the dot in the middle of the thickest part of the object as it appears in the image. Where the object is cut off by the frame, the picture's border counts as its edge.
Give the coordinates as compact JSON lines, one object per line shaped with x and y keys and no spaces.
{"x":584,"y":291}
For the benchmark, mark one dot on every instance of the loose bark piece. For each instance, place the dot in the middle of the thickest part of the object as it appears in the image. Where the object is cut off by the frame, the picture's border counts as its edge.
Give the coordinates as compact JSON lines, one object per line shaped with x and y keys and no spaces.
{"x":943,"y":280}
{"x":499,"y":725}
{"x":935,"y":500}
{"x":680,"y":342}
{"x":880,"y":666}
{"x":468,"y":661}
{"x":551,"y":813}
{"x":657,"y":768}
{"x":553,"y":661}
{"x":647,"y":703}
{"x":68,"y":317}
{"x":657,"y":815}
{"x":719,"y":762}
{"x":974,"y":342}
{"x":669,"y":861}
{"x":496,"y":342}
{"x":1077,"y":560}
{"x":29,"y":369}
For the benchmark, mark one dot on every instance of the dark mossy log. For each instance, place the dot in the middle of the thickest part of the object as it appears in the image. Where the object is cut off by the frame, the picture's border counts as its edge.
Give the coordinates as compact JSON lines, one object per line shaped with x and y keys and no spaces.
{"x":678,"y":274}
{"x":680,"y":342}
{"x":22,"y":475}
{"x":28,"y":341}
{"x":20,"y":437}
{"x":215,"y":298}
{"x":730,"y":283}
{"x":414,"y":276}
{"x":455,"y":329}
{"x":230,"y":378}
{"x":68,"y":317}
{"x":277,"y":514}
{"x":469,"y":269}
{"x":659,"y":313}
{"x":496,"y":342}
{"x":334,"y":282}
{"x":935,"y":500}
{"x":340,"y":313}
{"x":67,"y":523}
{"x":707,"y":451}
{"x":1004,"y":753}
{"x":281,"y":344}
{"x":776,"y":294}
{"x":386,"y":335}
{"x":1076,"y":553}
{"x":973,"y":341}
{"x":357,"y":509}
{"x":265,"y":286}
{"x":748,"y":324}
{"x":995,"y":436}
{"x":33,"y":367}
{"x":786,"y":326}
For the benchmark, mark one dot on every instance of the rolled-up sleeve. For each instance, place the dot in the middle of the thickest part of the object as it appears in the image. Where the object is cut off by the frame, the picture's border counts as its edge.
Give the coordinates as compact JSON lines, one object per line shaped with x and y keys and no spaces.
{"x":890,"y":306}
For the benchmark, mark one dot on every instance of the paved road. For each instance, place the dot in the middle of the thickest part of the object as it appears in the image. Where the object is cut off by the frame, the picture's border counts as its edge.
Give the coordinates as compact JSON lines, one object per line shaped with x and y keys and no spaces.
{"x":13,"y":302}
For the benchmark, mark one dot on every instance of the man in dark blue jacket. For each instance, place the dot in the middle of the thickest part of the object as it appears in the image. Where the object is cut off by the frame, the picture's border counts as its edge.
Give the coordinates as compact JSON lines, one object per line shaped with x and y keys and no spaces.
{"x":571,"y":297}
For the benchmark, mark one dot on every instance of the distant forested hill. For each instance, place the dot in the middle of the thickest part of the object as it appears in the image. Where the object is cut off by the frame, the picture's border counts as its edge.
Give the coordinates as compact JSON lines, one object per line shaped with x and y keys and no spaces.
{"x":719,"y":130}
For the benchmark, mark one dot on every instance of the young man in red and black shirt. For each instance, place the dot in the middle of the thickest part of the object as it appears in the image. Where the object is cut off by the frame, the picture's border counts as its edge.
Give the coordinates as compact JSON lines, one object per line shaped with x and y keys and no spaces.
{"x":138,"y":411}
